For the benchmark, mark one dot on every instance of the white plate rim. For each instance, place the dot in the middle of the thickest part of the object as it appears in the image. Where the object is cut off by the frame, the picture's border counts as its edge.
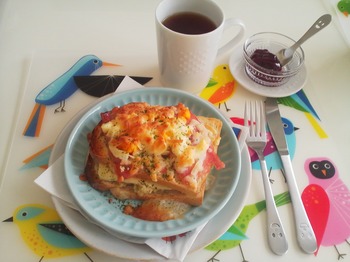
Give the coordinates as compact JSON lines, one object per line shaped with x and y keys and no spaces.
{"x":295,"y":83}
{"x":100,"y":240}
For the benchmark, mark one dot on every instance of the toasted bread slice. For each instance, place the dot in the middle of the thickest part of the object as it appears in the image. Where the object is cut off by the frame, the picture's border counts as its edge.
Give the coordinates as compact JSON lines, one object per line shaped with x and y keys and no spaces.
{"x":141,"y":192}
{"x":158,"y":210}
{"x":104,"y":162}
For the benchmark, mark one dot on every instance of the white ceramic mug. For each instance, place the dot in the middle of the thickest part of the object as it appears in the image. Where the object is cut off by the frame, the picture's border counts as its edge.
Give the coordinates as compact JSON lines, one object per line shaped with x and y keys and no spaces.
{"x":186,"y":61}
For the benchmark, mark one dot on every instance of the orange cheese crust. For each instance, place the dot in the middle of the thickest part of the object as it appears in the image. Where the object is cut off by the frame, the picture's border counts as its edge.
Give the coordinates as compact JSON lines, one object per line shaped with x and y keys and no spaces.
{"x":143,"y":151}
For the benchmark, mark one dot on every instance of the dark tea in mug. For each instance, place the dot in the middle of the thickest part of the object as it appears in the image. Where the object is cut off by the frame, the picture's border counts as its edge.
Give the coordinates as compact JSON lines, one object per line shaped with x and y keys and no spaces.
{"x":189,"y":23}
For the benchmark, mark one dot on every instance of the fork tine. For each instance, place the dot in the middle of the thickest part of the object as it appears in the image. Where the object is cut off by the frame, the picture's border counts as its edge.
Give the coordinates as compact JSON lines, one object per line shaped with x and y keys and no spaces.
{"x":257,"y":119}
{"x":250,"y":118}
{"x":245,"y":115}
{"x":254,"y":118}
{"x":263,"y":120}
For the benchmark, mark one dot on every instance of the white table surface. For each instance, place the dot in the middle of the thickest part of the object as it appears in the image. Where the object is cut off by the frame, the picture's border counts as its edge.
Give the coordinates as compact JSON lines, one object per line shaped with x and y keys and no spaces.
{"x":127,"y":27}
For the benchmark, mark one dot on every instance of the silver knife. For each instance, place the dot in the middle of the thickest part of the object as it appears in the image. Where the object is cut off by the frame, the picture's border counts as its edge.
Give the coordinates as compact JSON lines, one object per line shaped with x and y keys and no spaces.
{"x":305,"y":234}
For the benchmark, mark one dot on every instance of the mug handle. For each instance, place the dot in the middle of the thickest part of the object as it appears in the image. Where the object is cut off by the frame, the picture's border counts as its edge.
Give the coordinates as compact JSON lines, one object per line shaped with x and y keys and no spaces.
{"x":230,"y":44}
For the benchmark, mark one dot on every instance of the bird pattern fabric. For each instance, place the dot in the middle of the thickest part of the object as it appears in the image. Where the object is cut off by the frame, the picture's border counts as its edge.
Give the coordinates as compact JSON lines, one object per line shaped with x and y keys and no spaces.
{"x":344,"y":7}
{"x":58,"y":91}
{"x":44,"y":233}
{"x":272,"y":158}
{"x":220,"y":88}
{"x":271,"y":154}
{"x":327,"y":201}
{"x":333,"y":214}
{"x":77,"y":77}
{"x":55,"y":240}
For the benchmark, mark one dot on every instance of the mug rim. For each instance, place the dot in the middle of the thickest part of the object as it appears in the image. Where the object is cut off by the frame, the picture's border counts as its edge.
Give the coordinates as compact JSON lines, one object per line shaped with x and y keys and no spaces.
{"x":160,"y":20}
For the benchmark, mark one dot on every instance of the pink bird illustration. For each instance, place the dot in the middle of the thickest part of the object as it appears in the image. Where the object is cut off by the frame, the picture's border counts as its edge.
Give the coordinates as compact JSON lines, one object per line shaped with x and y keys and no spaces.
{"x":327,"y":203}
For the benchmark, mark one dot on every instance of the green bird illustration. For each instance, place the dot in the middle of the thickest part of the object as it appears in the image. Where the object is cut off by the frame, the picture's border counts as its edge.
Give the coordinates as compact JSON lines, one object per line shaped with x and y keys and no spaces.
{"x":344,"y":7}
{"x":236,"y":233}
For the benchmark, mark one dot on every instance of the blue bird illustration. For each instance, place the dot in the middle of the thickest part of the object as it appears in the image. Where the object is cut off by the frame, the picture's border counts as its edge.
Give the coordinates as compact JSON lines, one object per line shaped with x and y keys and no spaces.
{"x":44,"y":233}
{"x":59,"y":90}
{"x":299,"y":101}
{"x":273,"y":160}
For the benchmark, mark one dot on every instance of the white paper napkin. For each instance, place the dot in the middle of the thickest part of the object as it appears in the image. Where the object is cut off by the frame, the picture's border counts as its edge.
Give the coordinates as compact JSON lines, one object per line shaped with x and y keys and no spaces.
{"x":52,"y":180}
{"x":172,"y":247}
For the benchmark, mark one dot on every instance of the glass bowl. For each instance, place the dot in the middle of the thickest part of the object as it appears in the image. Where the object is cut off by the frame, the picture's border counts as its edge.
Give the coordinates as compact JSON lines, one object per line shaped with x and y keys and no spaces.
{"x":272,"y":42}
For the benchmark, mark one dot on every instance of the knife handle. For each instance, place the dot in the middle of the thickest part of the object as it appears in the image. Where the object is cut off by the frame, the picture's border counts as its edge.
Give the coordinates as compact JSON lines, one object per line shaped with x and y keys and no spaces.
{"x":305,"y":234}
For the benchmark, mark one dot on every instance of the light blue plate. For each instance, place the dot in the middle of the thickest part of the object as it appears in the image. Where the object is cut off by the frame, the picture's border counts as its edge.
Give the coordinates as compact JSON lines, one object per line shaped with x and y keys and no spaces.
{"x":108,"y":214}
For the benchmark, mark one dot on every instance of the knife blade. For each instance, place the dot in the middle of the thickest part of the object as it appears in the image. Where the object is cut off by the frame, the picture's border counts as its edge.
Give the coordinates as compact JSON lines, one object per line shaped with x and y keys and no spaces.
{"x":305,"y":234}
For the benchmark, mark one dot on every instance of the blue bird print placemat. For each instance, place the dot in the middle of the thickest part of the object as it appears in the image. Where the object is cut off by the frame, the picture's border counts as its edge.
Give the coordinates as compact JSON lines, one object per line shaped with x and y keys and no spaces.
{"x":31,"y":229}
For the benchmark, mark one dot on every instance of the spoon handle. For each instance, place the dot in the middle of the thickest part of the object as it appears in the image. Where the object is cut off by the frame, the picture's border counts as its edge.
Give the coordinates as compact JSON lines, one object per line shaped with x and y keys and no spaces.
{"x":320,"y":23}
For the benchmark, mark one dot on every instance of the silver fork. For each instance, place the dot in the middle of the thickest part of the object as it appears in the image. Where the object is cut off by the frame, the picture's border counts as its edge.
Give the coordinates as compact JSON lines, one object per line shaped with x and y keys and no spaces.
{"x":254,"y":118}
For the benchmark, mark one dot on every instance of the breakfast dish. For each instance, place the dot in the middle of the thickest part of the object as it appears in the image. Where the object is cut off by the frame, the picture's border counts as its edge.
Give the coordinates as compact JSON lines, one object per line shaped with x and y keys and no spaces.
{"x":99,"y":239}
{"x":237,"y":68}
{"x":107,"y":211}
{"x":159,"y":154}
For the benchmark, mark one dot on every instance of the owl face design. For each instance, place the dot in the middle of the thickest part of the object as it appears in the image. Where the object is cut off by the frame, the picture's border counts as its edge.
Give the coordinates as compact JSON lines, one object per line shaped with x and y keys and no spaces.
{"x":322,"y":169}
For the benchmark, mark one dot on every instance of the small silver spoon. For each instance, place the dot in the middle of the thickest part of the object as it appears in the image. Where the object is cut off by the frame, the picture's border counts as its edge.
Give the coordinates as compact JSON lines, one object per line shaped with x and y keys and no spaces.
{"x":285,"y":55}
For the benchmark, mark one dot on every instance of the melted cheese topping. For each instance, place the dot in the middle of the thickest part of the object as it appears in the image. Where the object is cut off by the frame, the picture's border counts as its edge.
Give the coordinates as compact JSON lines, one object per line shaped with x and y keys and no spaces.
{"x":163,"y":141}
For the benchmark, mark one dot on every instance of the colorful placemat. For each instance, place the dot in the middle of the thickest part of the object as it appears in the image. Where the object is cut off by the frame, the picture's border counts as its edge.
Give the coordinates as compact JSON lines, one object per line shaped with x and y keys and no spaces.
{"x":32,"y":231}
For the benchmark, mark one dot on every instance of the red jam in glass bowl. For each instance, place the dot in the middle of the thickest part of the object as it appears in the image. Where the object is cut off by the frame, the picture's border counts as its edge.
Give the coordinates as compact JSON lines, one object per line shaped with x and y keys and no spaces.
{"x":266,"y":60}
{"x":261,"y":63}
